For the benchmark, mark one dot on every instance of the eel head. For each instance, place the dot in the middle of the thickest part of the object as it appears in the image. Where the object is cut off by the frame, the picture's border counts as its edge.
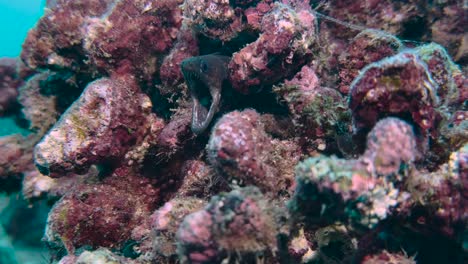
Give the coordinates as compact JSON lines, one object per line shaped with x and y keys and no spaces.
{"x":204,"y":76}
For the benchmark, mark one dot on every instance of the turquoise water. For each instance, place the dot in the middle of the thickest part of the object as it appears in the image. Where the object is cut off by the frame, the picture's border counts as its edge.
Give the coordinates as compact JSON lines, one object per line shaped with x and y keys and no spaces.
{"x":16,"y":18}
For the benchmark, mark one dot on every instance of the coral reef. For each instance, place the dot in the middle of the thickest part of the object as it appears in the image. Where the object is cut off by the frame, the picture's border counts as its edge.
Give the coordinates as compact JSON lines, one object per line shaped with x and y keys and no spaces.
{"x":9,"y":83}
{"x":241,"y":222}
{"x":215,"y":19}
{"x":387,"y":257}
{"x":366,"y":187}
{"x":242,"y":131}
{"x":40,"y":110}
{"x":317,"y":112}
{"x":112,"y":112}
{"x":282,"y":47}
{"x":16,"y":159}
{"x":102,"y":214}
{"x":166,"y":222}
{"x":367,"y":47}
{"x":395,"y":86}
{"x":240,"y":148}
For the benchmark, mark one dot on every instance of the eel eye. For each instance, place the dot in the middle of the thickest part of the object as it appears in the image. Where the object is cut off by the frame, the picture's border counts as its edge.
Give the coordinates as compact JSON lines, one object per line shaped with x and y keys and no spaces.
{"x":203,"y":67}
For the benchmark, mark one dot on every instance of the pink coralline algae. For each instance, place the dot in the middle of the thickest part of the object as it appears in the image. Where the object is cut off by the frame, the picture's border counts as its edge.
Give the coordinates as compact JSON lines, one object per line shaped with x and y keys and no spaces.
{"x":185,"y":47}
{"x":102,"y":214}
{"x":387,"y":257}
{"x":367,"y":186}
{"x":16,"y":159}
{"x":215,"y":19}
{"x":40,"y":110}
{"x":367,"y":47}
{"x":397,"y":85}
{"x":316,"y":111}
{"x":57,"y":38}
{"x":102,"y":255}
{"x":240,"y":148}
{"x":148,"y":27}
{"x":9,"y":83}
{"x":283,"y":45}
{"x":240,"y":222}
{"x":338,"y":132}
{"x":421,"y":84}
{"x":101,"y":31}
{"x":166,"y":222}
{"x":112,"y":110}
{"x":441,"y":195}
{"x":386,"y":15}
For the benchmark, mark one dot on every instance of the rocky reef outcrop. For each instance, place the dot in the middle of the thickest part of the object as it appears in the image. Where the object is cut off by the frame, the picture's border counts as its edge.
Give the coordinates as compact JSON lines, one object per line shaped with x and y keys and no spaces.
{"x":340,"y":134}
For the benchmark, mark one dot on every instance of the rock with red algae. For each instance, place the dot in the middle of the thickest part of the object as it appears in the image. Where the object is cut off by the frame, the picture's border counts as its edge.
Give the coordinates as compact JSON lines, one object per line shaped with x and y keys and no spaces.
{"x":136,"y":155}
{"x":134,"y":34}
{"x":110,"y":116}
{"x":215,"y":19}
{"x":368,"y":186}
{"x":254,"y":14}
{"x":99,"y":256}
{"x":15,"y":159}
{"x":170,"y":73}
{"x":174,"y":136}
{"x":439,"y":198}
{"x":241,"y":150}
{"x":390,"y":145}
{"x":103,"y":214}
{"x":240,"y":223}
{"x":448,"y":28}
{"x":9,"y":83}
{"x":400,"y":85}
{"x":443,"y":71}
{"x":316,"y":111}
{"x":37,"y":186}
{"x":282,"y":47}
{"x":393,"y":17}
{"x":57,"y":39}
{"x":40,"y":110}
{"x":101,"y":36}
{"x":69,"y":259}
{"x":366,"y":47}
{"x":386,"y":257}
{"x":199,"y":180}
{"x":165,"y":223}
{"x":455,"y":131}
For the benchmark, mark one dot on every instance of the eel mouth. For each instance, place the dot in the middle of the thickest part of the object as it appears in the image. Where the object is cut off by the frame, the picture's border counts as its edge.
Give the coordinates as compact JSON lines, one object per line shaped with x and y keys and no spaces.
{"x":205,"y":102}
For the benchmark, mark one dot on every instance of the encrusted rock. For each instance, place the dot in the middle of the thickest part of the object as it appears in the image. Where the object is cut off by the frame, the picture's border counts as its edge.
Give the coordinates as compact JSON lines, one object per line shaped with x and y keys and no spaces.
{"x":109,"y":117}
{"x":240,"y":149}
{"x":282,"y":47}
{"x":240,"y":222}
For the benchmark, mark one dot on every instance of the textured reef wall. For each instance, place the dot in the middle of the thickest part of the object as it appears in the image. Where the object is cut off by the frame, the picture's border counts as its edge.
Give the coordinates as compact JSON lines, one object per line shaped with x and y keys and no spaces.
{"x":336,"y":131}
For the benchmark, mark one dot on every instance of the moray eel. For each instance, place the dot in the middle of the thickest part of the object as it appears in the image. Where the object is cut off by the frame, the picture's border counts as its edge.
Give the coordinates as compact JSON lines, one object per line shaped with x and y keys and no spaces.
{"x":205,"y":76}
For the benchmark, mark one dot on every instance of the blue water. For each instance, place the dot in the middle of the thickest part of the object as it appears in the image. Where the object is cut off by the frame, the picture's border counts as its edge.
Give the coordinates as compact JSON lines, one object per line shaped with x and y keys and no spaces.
{"x":16,"y":18}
